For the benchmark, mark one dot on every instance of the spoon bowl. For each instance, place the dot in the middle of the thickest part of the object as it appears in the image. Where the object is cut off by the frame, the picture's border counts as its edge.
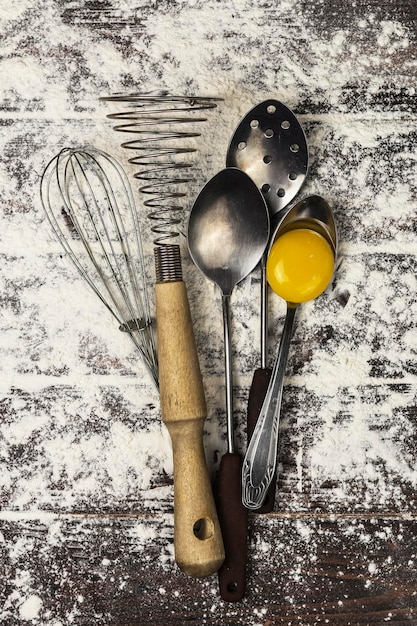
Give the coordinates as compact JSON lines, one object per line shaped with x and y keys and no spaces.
{"x":312,"y":213}
{"x":228,"y":228}
{"x":270,"y":145}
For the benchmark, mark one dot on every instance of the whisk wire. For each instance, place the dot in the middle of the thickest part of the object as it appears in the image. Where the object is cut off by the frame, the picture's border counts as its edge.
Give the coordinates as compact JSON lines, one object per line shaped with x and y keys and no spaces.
{"x":91,"y":185}
{"x":112,"y":261}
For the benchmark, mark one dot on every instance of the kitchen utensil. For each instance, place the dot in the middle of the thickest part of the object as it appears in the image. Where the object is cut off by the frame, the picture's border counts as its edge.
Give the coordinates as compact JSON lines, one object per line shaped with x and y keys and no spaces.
{"x":162,"y":128}
{"x":269,"y":144}
{"x":162,"y":125}
{"x":228,"y":230}
{"x":312,"y":214}
{"x":88,"y":201}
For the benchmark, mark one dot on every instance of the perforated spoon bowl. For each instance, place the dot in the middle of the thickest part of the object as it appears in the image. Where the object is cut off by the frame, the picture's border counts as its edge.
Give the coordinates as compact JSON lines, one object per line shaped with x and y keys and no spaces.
{"x":269,"y":144}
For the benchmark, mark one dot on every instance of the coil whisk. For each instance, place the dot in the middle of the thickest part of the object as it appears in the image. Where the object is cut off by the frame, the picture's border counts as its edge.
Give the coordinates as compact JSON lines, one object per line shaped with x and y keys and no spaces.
{"x":162,"y":126}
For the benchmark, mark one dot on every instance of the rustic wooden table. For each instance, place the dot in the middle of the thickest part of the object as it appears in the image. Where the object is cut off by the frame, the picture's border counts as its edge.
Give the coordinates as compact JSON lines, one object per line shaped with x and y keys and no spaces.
{"x":86,"y":489}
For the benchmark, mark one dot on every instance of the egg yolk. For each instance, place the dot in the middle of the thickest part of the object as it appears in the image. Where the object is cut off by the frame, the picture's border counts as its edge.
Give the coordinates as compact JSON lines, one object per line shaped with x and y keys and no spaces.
{"x":300,"y":265}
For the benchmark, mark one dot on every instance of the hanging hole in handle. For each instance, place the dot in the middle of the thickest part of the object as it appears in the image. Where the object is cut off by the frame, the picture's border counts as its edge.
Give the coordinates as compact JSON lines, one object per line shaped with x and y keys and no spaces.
{"x":232,"y":587}
{"x":203,"y":528}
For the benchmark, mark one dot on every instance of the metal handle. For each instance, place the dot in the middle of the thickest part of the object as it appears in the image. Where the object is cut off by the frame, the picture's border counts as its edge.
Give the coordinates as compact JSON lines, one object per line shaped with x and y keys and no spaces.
{"x":260,"y":459}
{"x":257,"y":393}
{"x":228,"y":372}
{"x":264,"y":313}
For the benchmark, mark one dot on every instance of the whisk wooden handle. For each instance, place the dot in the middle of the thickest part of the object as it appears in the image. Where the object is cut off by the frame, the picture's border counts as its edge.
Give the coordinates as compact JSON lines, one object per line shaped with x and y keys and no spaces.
{"x":198,"y":542}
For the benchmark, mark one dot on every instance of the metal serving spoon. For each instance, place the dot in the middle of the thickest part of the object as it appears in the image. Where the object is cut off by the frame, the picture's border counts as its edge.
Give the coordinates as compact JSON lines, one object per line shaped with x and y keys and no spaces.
{"x":228,"y":231}
{"x":270,"y":145}
{"x":314,"y":214}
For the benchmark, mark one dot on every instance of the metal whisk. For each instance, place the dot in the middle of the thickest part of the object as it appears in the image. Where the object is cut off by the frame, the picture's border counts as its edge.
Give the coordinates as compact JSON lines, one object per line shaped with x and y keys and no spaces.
{"x":89,"y":203}
{"x":161,"y":143}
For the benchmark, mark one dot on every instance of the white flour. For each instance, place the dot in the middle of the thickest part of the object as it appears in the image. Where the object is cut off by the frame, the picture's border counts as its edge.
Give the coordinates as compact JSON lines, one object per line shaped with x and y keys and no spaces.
{"x":80,"y":430}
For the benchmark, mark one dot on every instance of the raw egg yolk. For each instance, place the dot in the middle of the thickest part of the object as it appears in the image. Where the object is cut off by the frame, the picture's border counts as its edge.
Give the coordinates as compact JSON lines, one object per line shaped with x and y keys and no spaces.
{"x":300,"y":265}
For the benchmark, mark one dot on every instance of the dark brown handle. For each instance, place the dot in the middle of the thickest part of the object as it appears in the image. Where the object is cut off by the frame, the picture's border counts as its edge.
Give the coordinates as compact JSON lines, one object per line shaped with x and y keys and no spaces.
{"x":257,"y":392}
{"x":233,"y":518}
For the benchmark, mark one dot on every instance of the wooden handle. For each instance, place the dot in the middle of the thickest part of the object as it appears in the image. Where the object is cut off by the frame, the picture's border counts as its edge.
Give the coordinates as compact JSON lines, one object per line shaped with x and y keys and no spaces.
{"x":198,"y":541}
{"x":234,"y":524}
{"x":257,"y":393}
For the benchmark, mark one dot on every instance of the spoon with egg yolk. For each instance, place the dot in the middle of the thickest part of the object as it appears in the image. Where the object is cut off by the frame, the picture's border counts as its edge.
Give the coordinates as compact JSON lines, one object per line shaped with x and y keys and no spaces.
{"x":299,"y":268}
{"x":300,"y":265}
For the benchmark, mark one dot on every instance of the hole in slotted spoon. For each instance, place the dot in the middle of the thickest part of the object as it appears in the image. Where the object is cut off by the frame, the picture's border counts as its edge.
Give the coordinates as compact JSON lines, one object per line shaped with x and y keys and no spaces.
{"x":254,"y":123}
{"x":269,"y":133}
{"x":281,"y":192}
{"x":292,"y":176}
{"x":285,"y":124}
{"x":294,"y":147}
{"x":267,"y":158}
{"x":271,"y":109}
{"x":241,"y":145}
{"x":265,"y":188}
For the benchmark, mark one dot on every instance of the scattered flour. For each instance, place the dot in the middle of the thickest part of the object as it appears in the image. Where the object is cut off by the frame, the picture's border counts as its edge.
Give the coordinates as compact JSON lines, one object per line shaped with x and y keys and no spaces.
{"x":30,"y":608}
{"x":80,"y":430}
{"x":117,"y":453}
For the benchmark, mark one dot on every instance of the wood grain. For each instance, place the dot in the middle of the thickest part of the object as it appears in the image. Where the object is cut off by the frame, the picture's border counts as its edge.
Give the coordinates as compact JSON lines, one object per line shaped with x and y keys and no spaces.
{"x":87,"y":516}
{"x":344,"y":569}
{"x":198,"y":543}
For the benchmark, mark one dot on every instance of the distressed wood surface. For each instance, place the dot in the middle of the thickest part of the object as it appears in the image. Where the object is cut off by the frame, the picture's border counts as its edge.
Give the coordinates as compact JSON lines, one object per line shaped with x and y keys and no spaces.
{"x":86,"y":486}
{"x":343,"y":570}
